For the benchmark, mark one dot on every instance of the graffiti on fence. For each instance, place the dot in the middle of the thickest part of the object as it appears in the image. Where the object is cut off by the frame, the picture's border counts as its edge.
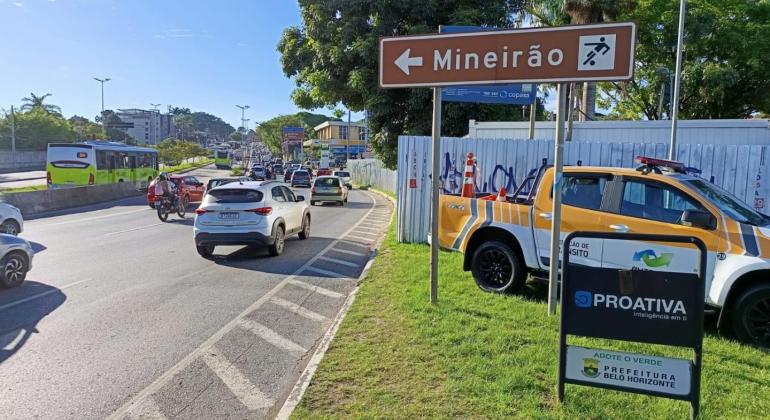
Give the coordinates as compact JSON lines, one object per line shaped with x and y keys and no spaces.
{"x":451,"y":179}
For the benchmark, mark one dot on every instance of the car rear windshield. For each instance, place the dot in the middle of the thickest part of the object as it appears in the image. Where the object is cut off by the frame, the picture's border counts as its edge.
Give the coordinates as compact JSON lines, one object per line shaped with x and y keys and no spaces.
{"x":301,"y":174}
{"x":233,"y":195}
{"x":338,"y":173}
{"x":328,"y":182}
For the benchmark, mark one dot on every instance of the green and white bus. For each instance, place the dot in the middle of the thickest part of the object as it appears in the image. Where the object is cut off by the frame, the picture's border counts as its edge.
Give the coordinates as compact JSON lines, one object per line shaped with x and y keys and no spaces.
{"x":99,"y":162}
{"x":222,"y":159}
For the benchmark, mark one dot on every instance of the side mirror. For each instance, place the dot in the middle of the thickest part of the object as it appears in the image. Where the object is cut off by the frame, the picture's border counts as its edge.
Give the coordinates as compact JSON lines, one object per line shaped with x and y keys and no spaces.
{"x":699,"y":219}
{"x":300,"y":198}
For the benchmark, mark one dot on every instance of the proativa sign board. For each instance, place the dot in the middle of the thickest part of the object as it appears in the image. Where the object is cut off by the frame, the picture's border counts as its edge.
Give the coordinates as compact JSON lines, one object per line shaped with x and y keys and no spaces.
{"x":554,"y":54}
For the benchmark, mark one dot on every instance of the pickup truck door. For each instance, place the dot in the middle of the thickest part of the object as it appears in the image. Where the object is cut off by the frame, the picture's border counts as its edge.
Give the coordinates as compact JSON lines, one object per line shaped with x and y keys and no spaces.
{"x":653,"y":207}
{"x":583,"y":197}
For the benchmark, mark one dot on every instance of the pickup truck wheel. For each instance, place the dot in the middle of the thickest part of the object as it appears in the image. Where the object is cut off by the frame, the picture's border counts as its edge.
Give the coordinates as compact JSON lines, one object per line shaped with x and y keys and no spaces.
{"x":751,"y":316}
{"x":496,"y":268}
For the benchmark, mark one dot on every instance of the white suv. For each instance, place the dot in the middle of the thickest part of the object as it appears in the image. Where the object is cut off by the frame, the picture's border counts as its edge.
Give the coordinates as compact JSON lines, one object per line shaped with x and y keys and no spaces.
{"x":259,"y":213}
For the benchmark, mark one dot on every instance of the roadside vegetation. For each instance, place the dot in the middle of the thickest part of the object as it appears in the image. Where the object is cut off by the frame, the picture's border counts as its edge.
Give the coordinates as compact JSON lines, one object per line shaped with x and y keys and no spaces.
{"x":187,"y":165}
{"x":237,"y":171}
{"x":479,"y":355}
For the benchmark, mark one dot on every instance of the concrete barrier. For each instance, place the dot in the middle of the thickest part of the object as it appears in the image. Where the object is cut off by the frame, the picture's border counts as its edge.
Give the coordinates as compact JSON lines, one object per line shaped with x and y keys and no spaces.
{"x":35,"y":202}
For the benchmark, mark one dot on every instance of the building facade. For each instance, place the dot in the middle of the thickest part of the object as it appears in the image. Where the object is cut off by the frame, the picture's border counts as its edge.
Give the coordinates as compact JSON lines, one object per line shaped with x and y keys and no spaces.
{"x":148,"y":126}
{"x":341,"y":138}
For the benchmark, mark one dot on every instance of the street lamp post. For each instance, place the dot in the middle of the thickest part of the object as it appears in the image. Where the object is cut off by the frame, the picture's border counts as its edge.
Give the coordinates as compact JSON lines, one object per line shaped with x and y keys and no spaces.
{"x":243,"y":116}
{"x":677,"y":80}
{"x":102,"y":81}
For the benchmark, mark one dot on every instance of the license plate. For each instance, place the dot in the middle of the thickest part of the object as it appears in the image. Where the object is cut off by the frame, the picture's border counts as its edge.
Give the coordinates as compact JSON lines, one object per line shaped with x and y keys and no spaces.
{"x":228,"y":215}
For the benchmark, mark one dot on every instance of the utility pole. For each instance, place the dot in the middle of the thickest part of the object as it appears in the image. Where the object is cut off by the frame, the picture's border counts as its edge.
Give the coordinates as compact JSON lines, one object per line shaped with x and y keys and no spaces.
{"x":677,"y":80}
{"x":347,"y":149}
{"x":155,"y":106}
{"x":13,"y":138}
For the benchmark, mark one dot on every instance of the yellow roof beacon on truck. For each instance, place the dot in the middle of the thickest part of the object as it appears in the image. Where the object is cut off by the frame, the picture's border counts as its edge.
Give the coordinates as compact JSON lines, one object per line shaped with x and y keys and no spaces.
{"x":505,"y":241}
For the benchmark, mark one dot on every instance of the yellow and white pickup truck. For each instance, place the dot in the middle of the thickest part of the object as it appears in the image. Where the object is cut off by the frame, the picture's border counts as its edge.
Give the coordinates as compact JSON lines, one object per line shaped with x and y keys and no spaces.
{"x":504,"y":241}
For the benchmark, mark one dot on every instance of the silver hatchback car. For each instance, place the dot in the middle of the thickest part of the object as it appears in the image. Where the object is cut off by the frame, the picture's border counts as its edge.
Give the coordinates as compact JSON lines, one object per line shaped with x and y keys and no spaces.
{"x":329,"y":188}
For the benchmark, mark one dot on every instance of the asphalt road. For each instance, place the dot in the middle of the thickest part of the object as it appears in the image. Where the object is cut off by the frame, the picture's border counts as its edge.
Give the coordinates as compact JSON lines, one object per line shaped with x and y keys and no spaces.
{"x":120,"y":317}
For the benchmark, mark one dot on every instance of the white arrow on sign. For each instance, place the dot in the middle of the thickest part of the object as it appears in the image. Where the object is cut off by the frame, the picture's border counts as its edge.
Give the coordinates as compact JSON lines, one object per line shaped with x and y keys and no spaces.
{"x":404,"y":61}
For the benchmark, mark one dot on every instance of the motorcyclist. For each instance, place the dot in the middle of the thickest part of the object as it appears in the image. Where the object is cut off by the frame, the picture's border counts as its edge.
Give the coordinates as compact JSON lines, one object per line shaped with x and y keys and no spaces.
{"x":165,"y":188}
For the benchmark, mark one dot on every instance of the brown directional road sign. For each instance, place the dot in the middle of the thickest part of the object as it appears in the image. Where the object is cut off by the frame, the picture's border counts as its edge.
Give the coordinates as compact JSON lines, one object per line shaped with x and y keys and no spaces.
{"x":555,"y":54}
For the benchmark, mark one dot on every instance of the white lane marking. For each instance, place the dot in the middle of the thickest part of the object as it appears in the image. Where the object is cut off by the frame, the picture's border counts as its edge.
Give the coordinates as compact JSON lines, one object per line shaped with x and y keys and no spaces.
{"x":368,"y":228}
{"x":87,"y":219}
{"x":238,"y":384}
{"x":358,"y":237}
{"x":345,"y":251}
{"x":297,"y":309}
{"x":39,"y":295}
{"x":354,"y":243}
{"x":156,"y":385}
{"x":340,"y":262}
{"x":13,"y":343}
{"x":326,"y":272}
{"x":133,"y":229}
{"x":58,"y":289}
{"x":366,"y":233}
{"x":270,"y":336}
{"x":149,"y":410}
{"x":318,"y":289}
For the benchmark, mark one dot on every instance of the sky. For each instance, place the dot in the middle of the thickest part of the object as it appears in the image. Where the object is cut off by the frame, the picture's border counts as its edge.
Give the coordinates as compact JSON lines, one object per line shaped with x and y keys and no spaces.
{"x":204,"y":55}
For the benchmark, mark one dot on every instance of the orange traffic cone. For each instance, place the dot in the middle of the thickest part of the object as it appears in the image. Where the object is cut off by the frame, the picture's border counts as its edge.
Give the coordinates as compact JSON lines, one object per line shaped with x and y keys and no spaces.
{"x":468,"y":177}
{"x":501,"y":195}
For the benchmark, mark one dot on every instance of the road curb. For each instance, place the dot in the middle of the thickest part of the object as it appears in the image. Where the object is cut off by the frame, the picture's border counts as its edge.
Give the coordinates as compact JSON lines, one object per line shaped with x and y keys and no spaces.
{"x":295,"y":396}
{"x":22,"y":179}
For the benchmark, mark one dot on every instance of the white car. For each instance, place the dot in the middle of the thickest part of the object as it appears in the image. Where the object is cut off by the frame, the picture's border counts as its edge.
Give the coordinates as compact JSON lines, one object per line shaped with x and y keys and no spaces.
{"x":344,"y":176}
{"x":15,"y":260}
{"x":256,"y":213}
{"x":11,"y":221}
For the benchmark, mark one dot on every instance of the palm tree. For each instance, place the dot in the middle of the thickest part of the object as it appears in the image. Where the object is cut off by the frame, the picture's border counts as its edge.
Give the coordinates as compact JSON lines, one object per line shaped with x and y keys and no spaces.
{"x":36,"y":102}
{"x":552,"y":12}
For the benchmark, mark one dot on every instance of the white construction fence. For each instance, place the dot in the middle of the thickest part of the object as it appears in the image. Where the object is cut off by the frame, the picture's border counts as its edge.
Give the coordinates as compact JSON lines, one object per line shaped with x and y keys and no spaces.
{"x":741,"y":170}
{"x":373,"y":173}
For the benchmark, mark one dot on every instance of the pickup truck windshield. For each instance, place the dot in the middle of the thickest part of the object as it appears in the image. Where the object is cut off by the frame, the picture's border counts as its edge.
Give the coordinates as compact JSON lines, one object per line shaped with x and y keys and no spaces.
{"x":728,"y":203}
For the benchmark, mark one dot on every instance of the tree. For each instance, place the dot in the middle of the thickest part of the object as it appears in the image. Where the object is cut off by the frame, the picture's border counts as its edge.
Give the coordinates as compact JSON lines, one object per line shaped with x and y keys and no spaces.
{"x":85,"y":129}
{"x":332,"y":58}
{"x":271,"y":131}
{"x":35,"y":129}
{"x":552,"y":12}
{"x":725,"y":66}
{"x":37,"y":102}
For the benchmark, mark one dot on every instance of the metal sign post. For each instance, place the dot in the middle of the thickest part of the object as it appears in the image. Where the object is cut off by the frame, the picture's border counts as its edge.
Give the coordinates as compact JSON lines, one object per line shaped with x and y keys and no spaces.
{"x":633,"y":305}
{"x":435,"y":185}
{"x":553,"y":275}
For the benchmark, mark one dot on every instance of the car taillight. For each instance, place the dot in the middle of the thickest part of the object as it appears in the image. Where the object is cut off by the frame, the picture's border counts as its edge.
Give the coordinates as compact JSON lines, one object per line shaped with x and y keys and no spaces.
{"x":200,"y":211}
{"x":48,"y":178}
{"x":339,"y":190}
{"x":312,"y":190}
{"x":90,"y":179}
{"x":262,"y":211}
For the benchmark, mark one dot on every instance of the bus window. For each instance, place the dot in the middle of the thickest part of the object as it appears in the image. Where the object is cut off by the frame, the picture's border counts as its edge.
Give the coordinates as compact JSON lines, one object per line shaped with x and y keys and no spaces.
{"x":131,"y":161}
{"x":101,"y":160}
